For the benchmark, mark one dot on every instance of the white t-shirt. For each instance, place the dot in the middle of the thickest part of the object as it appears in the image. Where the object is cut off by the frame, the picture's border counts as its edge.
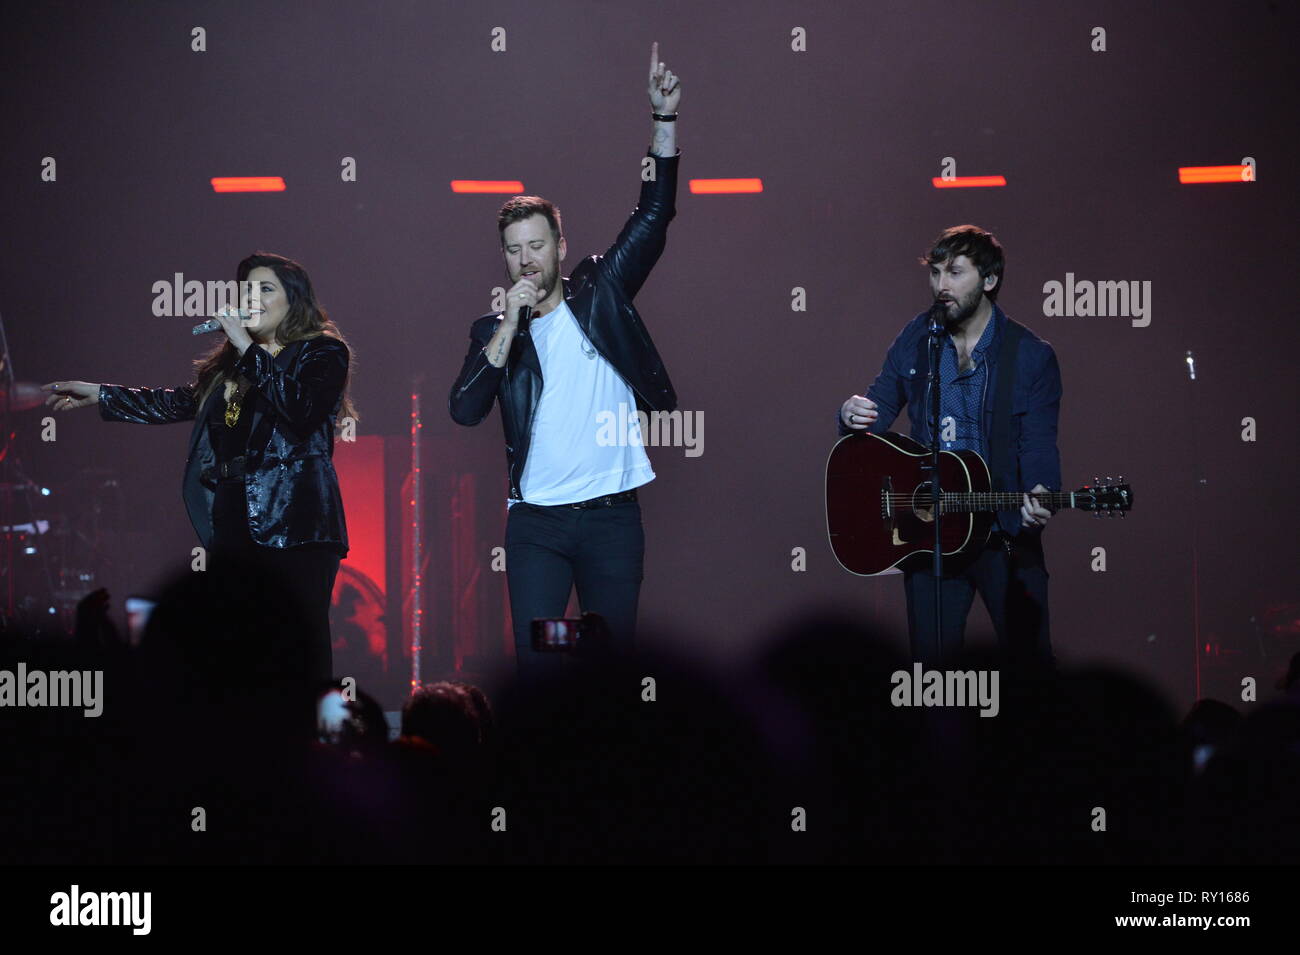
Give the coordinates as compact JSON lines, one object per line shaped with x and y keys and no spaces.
{"x":586,"y":439}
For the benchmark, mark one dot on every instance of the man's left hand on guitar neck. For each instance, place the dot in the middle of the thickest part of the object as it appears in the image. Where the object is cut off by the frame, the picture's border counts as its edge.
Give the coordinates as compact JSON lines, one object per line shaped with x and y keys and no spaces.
{"x":1032,"y":514}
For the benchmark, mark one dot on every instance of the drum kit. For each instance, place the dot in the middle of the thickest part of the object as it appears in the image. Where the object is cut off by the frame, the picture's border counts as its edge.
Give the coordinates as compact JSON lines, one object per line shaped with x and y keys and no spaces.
{"x":52,"y":540}
{"x":50,"y":557}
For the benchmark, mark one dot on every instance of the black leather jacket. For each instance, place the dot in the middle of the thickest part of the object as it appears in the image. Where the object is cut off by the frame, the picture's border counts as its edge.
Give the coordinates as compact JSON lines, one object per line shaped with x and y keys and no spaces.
{"x":290,"y":482}
{"x":599,"y":293}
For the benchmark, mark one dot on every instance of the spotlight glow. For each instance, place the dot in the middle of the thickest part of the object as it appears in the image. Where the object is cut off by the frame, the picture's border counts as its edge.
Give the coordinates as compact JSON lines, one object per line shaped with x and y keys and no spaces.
{"x":1195,"y":175}
{"x":718,"y":187}
{"x":509,"y":187}
{"x":248,"y":184}
{"x":969,"y":182}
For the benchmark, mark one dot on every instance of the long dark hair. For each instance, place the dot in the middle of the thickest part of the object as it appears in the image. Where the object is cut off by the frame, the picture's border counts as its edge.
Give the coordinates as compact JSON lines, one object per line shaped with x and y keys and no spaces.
{"x":305,"y":319}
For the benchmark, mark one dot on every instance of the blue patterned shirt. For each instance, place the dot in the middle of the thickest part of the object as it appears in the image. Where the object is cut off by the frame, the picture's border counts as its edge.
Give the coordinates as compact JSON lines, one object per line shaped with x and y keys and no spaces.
{"x":961,"y":396}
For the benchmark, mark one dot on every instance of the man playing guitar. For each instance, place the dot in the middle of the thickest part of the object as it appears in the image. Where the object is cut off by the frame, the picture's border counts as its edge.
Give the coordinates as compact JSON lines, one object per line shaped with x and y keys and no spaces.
{"x":1010,"y":574}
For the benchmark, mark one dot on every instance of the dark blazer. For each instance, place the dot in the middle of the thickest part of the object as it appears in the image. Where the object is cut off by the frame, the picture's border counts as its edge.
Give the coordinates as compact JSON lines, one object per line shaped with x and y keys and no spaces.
{"x":1035,"y":404}
{"x":292,"y":488}
{"x":599,"y":293}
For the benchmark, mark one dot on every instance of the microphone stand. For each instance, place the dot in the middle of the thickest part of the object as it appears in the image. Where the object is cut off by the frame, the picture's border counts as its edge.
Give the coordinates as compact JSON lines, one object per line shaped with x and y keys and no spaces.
{"x":936,"y":333}
{"x":1198,"y":486}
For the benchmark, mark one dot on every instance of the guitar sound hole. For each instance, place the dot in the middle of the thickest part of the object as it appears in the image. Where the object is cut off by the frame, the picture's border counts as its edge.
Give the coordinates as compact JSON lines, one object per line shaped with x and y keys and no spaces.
{"x":921,"y":502}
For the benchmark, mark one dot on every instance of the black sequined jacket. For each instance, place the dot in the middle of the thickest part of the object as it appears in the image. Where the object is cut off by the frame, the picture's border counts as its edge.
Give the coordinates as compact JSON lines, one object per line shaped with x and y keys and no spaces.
{"x":291,"y":486}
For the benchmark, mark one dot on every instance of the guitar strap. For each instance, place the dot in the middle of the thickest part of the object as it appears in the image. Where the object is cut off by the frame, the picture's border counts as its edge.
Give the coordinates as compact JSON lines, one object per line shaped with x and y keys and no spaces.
{"x":1000,"y":450}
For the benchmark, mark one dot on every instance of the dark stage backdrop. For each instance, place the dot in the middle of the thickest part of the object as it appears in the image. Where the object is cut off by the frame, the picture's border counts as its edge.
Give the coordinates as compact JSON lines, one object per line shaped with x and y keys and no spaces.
{"x":846,"y":111}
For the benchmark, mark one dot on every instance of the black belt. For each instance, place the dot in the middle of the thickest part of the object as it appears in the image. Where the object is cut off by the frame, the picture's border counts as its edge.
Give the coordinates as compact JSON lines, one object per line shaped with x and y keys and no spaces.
{"x":232,"y":470}
{"x":609,"y":500}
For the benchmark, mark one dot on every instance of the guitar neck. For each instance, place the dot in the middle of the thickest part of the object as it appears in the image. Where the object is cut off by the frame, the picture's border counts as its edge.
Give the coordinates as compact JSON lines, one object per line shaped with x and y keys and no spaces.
{"x":968,"y":501}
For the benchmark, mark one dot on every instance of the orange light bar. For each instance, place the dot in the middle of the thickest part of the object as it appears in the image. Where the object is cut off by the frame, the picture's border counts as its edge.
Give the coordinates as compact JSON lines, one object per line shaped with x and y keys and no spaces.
{"x":511,"y":187}
{"x":969,"y":182}
{"x":248,"y":184}
{"x":717,"y":187}
{"x":1190,"y":175}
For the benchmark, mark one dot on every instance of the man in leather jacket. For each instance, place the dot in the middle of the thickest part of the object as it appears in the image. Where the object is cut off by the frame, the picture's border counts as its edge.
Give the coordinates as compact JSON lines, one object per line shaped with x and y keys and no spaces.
{"x":562,"y":355}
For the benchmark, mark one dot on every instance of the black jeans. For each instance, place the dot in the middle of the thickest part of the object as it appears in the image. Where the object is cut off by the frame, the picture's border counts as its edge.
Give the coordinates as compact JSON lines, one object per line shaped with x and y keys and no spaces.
{"x":1014,"y":589}
{"x":550,"y":549}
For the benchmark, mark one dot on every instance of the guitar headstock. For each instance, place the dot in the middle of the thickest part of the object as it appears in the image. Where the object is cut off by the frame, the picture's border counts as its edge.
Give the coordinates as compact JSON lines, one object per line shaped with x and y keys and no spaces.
{"x":1105,"y":497}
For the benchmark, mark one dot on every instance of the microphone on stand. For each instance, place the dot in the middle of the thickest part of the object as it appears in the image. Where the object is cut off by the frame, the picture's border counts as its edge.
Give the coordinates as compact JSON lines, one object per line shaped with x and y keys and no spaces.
{"x":938,"y":318}
{"x":212,"y":325}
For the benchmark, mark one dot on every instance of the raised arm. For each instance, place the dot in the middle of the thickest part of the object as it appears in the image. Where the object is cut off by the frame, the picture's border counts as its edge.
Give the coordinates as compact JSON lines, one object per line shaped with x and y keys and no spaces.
{"x":641,"y":241}
{"x":665,"y":93}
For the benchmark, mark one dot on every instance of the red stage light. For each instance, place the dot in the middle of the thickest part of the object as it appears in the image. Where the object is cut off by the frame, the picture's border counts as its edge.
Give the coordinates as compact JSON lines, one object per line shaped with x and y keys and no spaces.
{"x":1193,"y":175}
{"x":725,"y":186}
{"x":512,"y":187}
{"x":248,"y":184}
{"x":968,"y":182}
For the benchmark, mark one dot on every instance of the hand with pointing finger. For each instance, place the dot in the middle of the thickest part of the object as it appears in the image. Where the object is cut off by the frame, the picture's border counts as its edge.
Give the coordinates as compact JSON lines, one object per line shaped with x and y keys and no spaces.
{"x":665,"y":87}
{"x":67,"y":395}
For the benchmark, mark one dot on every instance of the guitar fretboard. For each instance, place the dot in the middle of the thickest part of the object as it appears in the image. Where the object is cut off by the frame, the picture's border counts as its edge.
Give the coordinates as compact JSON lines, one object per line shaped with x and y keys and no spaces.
{"x":968,"y":501}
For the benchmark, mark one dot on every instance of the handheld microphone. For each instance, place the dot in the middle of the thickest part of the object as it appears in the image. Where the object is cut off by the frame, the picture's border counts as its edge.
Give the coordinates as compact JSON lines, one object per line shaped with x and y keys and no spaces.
{"x":212,"y":325}
{"x":525,"y":316}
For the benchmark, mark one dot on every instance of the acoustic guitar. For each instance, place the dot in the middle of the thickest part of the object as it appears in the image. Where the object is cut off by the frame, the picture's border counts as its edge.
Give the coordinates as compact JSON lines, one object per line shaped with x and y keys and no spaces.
{"x":879,"y":509}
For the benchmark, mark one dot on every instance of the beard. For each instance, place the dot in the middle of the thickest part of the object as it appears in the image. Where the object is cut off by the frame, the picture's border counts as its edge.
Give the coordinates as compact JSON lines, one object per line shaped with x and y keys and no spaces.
{"x":546,"y":277}
{"x":965,"y":308}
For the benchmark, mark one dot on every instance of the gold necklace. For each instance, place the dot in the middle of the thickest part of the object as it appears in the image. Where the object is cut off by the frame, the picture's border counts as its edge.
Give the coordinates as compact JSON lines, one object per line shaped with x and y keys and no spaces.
{"x":235,"y":394}
{"x":234,"y":403}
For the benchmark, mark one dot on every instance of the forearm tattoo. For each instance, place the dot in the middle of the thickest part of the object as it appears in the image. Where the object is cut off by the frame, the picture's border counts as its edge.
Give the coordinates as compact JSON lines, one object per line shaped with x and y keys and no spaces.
{"x":661,"y":135}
